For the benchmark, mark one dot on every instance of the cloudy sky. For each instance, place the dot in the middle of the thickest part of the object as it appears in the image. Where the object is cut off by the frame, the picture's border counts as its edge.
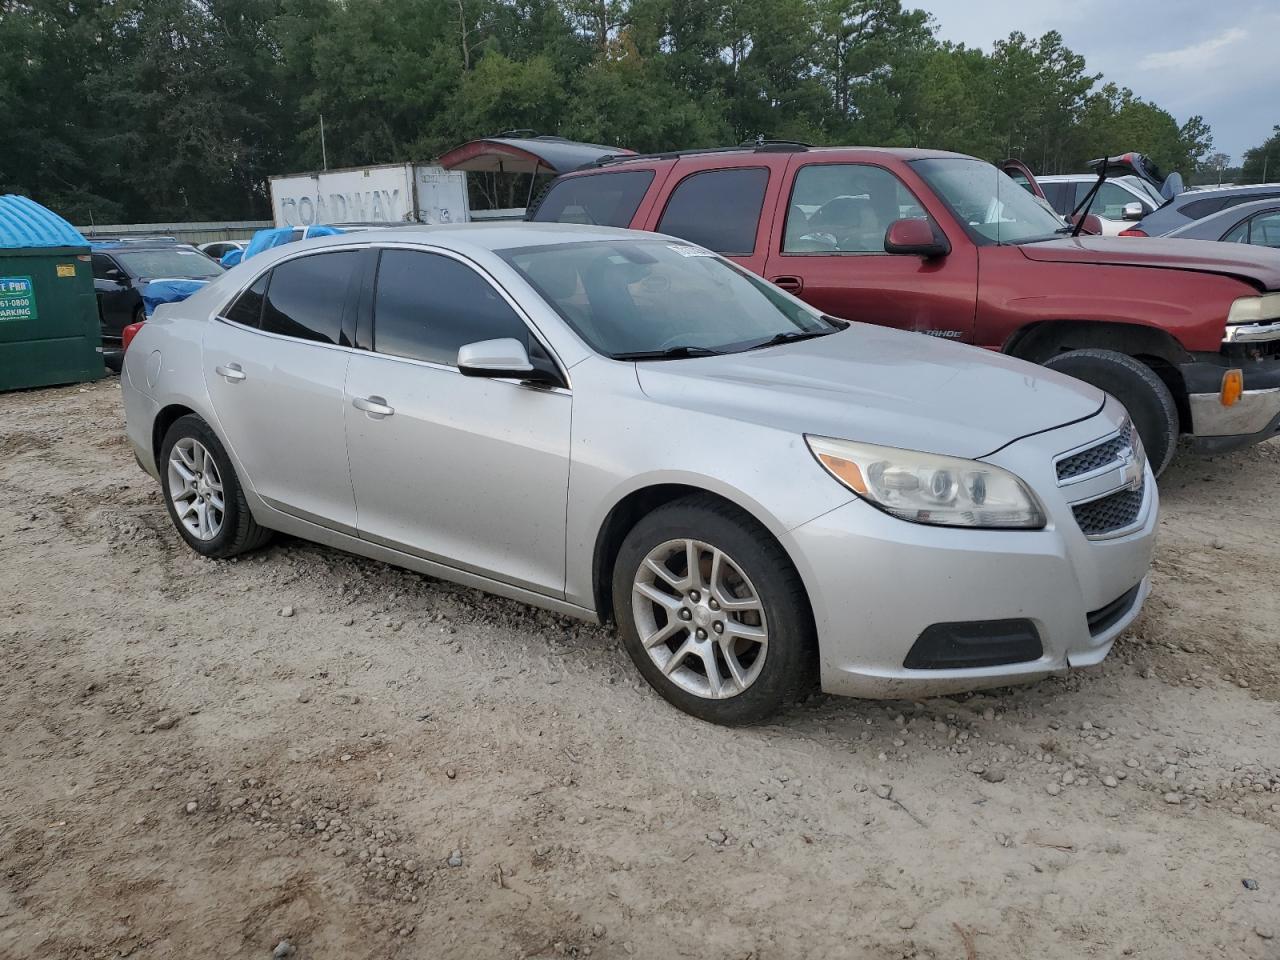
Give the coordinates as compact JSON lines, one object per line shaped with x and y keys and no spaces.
{"x":1217,"y":59}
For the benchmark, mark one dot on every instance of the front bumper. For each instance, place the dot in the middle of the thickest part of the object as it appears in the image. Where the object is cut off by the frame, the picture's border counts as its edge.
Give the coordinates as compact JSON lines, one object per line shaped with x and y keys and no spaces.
{"x":1254,"y":417}
{"x":876,"y":583}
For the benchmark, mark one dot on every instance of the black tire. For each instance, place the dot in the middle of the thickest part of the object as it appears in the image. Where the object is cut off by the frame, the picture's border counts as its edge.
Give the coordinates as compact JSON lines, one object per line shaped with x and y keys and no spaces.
{"x":240,"y":532}
{"x":789,"y":669}
{"x":1138,"y":388}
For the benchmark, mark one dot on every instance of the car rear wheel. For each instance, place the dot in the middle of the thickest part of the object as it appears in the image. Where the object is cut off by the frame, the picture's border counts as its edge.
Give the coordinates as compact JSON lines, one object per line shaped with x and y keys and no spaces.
{"x":204,"y":497}
{"x":1144,"y":395}
{"x":712,"y":612}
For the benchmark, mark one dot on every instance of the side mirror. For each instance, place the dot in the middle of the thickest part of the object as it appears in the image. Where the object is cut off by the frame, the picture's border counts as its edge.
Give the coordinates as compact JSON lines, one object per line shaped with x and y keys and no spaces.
{"x":116,"y":276}
{"x":1132,"y":211}
{"x":505,"y":359}
{"x":1092,"y":225}
{"x":915,"y":237}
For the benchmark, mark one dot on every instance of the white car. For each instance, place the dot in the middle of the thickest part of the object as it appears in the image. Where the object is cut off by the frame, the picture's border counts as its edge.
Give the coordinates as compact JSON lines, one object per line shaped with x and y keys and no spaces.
{"x":1120,"y":203}
{"x":622,"y":426}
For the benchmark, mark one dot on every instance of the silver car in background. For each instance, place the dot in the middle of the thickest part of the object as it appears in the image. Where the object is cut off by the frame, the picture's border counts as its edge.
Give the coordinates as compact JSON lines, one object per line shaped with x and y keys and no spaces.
{"x":621,"y":426}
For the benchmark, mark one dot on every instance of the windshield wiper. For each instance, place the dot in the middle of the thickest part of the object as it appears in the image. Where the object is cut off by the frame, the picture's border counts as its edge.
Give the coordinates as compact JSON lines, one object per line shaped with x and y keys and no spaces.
{"x":789,"y":336}
{"x":669,"y":353}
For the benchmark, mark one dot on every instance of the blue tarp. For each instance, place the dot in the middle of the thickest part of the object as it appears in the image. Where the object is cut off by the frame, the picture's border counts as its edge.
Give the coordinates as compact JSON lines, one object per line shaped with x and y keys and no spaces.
{"x":156,"y":292}
{"x":24,"y":223}
{"x":276,"y":237}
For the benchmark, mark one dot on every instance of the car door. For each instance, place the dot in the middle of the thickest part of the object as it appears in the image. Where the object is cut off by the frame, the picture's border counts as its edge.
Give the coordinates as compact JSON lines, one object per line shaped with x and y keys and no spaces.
{"x":117,"y":298}
{"x":275,"y":364}
{"x":830,"y":252}
{"x":465,"y":471}
{"x":721,"y":208}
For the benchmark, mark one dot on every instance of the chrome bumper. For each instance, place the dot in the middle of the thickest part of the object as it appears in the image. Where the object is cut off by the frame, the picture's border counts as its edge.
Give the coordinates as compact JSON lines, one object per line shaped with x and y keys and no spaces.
{"x":1253,"y":413}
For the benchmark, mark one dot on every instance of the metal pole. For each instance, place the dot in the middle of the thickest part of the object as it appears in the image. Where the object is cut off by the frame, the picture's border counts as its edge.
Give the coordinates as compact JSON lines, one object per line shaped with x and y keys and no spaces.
{"x":324,"y":155}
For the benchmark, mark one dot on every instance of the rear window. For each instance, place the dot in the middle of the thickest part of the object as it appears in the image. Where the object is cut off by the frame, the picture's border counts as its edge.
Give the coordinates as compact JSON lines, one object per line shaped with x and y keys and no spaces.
{"x":306,"y":297}
{"x":719,"y":209}
{"x":598,"y":199}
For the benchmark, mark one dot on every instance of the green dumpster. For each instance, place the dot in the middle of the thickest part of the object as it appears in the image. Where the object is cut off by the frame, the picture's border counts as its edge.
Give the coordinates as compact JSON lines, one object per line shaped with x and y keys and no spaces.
{"x":49,"y":329}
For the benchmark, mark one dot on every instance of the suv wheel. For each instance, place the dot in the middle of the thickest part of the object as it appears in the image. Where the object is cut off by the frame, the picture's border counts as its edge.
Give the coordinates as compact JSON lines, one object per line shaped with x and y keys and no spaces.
{"x":203,"y":494}
{"x":712,"y":612}
{"x":1134,"y":384}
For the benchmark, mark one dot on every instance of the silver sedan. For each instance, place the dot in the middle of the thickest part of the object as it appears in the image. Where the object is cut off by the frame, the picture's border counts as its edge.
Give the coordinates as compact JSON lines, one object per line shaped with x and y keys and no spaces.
{"x":620,"y":426}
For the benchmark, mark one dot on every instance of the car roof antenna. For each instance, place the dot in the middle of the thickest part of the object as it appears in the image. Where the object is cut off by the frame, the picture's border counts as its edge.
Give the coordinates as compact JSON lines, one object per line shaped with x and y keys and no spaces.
{"x":1083,"y":208}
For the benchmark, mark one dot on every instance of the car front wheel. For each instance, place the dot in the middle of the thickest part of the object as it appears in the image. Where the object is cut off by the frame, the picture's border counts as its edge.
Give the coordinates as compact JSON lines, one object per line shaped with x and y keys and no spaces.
{"x":712,"y":612}
{"x":203,"y":494}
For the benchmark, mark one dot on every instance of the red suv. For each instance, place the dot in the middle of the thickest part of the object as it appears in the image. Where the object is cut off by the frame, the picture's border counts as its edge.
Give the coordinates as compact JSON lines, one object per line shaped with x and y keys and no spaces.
{"x":1186,"y":334}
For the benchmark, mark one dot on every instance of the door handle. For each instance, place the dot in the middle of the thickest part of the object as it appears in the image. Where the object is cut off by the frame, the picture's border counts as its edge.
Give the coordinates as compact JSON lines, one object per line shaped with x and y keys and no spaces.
{"x":231,"y":372}
{"x":789,"y":284}
{"x":375,"y":407}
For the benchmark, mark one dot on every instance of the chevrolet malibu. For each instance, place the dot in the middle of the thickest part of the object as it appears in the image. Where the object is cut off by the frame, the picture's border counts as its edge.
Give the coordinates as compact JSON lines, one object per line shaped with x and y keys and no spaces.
{"x":621,"y":426}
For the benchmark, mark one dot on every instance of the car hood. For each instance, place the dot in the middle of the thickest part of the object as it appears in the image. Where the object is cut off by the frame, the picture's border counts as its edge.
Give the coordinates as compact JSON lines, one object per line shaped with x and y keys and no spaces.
{"x":879,"y":386}
{"x":1258,"y":266}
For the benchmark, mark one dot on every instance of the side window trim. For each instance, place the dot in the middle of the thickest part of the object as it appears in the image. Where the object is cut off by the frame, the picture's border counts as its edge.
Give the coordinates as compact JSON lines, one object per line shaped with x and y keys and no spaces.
{"x":785,"y":209}
{"x":764,"y":199}
{"x":535,"y":334}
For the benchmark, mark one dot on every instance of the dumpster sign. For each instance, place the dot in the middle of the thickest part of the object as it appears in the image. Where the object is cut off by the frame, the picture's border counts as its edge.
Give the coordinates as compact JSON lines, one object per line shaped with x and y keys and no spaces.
{"x":17,"y":299}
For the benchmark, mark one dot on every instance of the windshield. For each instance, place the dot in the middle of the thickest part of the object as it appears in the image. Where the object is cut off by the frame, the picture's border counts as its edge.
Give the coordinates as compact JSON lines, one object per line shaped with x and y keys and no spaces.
{"x":629,"y":297}
{"x":993,"y":208}
{"x":175,"y":262}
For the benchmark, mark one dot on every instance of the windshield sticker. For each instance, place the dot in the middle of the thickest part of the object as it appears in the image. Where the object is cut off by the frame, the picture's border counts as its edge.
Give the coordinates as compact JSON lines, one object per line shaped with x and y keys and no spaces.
{"x":686,"y":251}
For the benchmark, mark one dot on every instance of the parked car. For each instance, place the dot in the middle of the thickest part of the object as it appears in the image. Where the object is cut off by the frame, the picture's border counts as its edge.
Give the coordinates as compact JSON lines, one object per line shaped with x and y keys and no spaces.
{"x":220,"y":248}
{"x":1120,"y":202}
{"x":131,"y":276}
{"x":1187,"y":337}
{"x":622,"y":426}
{"x":1257,"y":223}
{"x":1197,"y":204}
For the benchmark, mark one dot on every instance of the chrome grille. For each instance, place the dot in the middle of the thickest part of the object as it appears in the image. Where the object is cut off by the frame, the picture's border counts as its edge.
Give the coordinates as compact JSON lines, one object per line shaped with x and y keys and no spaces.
{"x":1087,"y":461}
{"x":1110,"y":513}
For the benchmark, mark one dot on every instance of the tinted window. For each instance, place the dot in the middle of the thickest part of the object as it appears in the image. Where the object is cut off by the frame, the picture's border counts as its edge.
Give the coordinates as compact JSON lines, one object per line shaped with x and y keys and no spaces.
{"x":602,"y":199}
{"x":427,"y":306}
{"x":846,"y":208}
{"x":247,"y":308}
{"x":101,"y":265}
{"x":1061,"y":196}
{"x":1197,"y":209}
{"x":719,"y":209}
{"x":305,"y":297}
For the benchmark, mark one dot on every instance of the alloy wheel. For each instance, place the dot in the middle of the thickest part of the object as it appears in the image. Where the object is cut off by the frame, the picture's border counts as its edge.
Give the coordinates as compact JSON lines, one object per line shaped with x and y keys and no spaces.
{"x":195,"y":486}
{"x":700,"y":619}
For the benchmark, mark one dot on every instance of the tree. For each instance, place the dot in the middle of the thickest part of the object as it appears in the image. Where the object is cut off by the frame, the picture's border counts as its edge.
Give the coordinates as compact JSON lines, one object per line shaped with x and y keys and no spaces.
{"x":1262,"y":163}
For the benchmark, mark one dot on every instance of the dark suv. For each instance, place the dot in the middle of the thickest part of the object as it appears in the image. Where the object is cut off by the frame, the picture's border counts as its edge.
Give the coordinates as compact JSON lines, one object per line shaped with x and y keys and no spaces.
{"x":1185,"y":333}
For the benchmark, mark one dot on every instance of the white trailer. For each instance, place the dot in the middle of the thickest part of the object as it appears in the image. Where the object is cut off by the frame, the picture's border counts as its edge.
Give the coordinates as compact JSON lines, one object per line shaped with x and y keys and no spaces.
{"x":387,"y":193}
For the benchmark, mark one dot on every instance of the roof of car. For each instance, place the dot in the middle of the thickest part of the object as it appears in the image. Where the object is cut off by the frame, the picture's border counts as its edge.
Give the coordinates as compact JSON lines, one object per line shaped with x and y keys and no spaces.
{"x":785,"y":147}
{"x":492,"y":236}
{"x":1200,"y":193}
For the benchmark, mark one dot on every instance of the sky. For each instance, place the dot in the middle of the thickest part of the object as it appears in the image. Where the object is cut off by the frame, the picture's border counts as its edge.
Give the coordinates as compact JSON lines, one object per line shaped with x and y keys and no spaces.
{"x":1217,"y":59}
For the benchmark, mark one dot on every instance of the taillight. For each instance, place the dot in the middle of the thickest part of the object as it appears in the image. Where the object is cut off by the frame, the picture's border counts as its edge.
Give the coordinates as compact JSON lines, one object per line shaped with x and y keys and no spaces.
{"x":1133,"y":232}
{"x":127,"y":335}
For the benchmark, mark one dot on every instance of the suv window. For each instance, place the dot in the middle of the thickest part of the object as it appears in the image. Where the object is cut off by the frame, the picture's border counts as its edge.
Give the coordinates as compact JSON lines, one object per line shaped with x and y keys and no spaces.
{"x":306,"y":297}
{"x":719,"y":209}
{"x":599,"y":199}
{"x":845,"y":208}
{"x":1061,"y":196}
{"x":247,"y":308}
{"x":1110,"y":201}
{"x":427,"y":306}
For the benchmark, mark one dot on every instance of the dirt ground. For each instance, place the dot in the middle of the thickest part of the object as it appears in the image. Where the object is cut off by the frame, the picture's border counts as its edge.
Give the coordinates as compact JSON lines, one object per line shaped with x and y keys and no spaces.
{"x":204,"y":759}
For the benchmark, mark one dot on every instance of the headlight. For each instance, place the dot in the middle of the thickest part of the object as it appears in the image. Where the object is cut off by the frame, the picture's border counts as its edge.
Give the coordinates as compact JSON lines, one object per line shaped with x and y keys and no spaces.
{"x":928,"y":488}
{"x":1254,"y":309}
